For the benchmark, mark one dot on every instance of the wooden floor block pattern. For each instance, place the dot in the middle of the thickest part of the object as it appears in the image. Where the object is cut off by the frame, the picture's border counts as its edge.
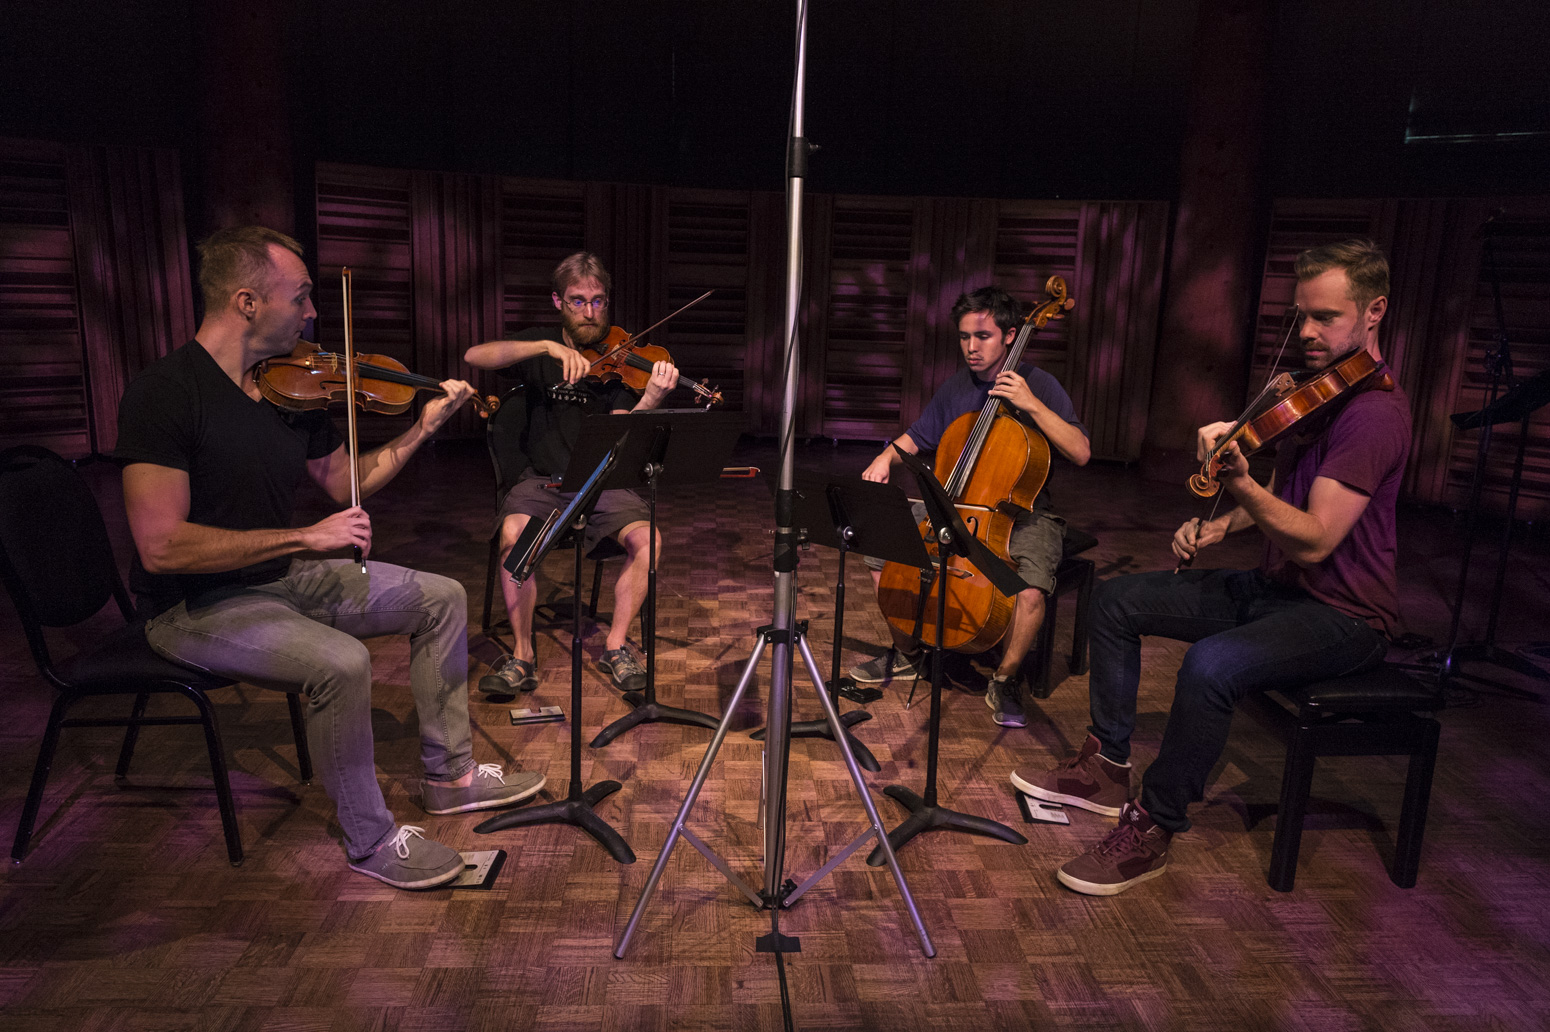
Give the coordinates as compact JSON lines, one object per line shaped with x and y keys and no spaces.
{"x":127,"y":916}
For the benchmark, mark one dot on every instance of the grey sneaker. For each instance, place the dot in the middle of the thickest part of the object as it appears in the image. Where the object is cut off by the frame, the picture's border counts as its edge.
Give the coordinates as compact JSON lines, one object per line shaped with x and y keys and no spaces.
{"x":508,"y":676}
{"x":628,"y":673}
{"x":409,"y":860}
{"x":1004,"y":697}
{"x":491,"y":790}
{"x":889,"y":665}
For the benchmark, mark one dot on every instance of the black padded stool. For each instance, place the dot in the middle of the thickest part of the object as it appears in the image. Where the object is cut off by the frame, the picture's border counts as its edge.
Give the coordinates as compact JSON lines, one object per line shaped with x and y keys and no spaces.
{"x":1073,"y":574}
{"x":1367,"y":714}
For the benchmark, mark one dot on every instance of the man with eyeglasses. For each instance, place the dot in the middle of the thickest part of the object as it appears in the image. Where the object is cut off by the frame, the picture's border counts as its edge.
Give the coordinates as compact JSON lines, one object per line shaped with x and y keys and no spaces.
{"x":537,"y":360}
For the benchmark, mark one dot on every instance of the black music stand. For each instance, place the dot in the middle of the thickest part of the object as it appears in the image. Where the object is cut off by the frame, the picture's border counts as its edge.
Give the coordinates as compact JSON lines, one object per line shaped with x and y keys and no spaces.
{"x":1517,"y":405}
{"x":673,"y":446}
{"x":954,"y":539}
{"x":577,"y":808}
{"x":852,"y":515}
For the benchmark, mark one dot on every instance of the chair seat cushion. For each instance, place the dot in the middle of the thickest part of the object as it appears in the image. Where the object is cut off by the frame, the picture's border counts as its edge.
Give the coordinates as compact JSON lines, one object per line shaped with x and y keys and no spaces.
{"x":1383,"y":688}
{"x":125,"y":657}
{"x":1076,"y":542}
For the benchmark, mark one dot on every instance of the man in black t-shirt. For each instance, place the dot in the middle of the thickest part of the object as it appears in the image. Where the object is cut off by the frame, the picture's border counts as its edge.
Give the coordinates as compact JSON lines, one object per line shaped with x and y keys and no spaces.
{"x":539,"y":361}
{"x":210,"y":474}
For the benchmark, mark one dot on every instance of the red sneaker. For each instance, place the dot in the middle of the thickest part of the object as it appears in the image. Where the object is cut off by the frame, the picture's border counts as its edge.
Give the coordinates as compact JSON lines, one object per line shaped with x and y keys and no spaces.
{"x":1086,"y":780}
{"x":1132,"y":853}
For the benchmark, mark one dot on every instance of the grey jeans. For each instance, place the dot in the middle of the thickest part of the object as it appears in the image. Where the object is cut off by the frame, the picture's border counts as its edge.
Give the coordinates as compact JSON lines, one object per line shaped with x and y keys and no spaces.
{"x":300,"y":634}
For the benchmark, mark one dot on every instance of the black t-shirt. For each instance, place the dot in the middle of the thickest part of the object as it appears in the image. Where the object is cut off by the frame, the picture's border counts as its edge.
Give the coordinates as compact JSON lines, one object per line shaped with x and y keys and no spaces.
{"x":244,"y":459}
{"x":553,"y":426}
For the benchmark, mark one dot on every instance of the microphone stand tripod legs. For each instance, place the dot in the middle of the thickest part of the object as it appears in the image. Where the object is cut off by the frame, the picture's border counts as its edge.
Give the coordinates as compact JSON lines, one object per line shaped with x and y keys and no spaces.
{"x":876,"y":829}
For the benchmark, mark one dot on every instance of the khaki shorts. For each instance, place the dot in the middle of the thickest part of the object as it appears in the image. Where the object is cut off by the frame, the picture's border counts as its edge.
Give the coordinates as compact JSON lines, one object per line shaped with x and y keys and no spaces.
{"x":1038,"y":541}
{"x":615,"y":509}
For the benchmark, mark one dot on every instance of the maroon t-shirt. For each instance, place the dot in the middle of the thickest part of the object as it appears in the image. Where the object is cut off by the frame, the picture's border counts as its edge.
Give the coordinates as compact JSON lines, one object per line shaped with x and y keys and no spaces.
{"x":1364,"y":447}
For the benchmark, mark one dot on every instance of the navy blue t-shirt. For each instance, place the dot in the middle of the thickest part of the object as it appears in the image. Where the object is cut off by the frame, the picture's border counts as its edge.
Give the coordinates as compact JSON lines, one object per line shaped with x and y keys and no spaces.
{"x":244,"y":460}
{"x":964,"y":392}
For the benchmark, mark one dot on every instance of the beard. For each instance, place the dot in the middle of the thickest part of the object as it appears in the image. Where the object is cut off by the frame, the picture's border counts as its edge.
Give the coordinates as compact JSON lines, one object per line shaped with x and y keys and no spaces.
{"x":583,"y":333}
{"x":1336,"y":351}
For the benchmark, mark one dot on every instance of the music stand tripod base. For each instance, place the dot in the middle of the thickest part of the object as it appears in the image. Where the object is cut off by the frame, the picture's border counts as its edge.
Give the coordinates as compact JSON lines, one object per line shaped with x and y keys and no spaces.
{"x":577,"y":808}
{"x":925,"y":813}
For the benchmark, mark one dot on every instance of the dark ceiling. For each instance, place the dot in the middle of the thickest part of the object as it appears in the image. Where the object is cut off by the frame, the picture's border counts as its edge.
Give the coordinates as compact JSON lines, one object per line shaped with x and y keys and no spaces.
{"x":1024,"y":98}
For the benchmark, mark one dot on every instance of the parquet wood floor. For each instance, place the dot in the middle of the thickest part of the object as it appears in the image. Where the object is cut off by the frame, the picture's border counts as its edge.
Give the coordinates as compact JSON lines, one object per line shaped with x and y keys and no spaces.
{"x":126,"y":916}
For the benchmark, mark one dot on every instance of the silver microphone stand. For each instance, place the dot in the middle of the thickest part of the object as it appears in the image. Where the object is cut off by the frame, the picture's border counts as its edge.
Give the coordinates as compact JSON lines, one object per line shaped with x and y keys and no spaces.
{"x":785,"y":637}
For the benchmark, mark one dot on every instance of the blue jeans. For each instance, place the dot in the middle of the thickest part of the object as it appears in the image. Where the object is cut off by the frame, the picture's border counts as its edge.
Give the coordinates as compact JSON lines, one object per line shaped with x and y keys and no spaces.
{"x":1249,"y":633}
{"x":300,"y":634}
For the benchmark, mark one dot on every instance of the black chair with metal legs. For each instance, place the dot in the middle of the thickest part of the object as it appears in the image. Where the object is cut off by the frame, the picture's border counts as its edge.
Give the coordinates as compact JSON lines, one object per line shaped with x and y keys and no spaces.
{"x":58,"y":566}
{"x":1375,"y":713}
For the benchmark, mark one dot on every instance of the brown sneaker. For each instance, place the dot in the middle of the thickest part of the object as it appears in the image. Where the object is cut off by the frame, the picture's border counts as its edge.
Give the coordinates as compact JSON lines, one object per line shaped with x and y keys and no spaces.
{"x":1086,"y":780}
{"x":1132,"y":853}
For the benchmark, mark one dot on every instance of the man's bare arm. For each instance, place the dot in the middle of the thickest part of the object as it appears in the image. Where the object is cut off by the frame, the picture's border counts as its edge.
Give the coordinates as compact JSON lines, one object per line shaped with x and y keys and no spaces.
{"x":157,"y":501}
{"x":498,"y":354}
{"x":881,"y":468}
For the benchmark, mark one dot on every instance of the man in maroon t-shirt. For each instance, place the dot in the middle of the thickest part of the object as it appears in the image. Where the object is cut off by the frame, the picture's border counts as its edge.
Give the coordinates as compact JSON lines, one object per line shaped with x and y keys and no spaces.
{"x":1321,"y":604}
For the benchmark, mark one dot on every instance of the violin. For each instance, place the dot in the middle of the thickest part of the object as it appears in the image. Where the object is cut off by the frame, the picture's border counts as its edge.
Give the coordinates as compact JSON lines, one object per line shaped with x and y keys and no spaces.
{"x":310,"y":377}
{"x":620,"y":356}
{"x":1287,"y":401}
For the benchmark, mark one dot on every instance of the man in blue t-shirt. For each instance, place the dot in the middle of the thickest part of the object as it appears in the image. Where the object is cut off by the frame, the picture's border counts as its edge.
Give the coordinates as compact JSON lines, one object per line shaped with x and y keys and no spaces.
{"x":987,"y":321}
{"x":211,"y":469}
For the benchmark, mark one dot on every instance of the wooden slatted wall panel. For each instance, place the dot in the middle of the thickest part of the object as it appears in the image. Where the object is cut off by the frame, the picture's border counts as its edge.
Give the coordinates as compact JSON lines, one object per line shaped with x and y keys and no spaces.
{"x":1435,"y":260}
{"x":541,"y":223}
{"x":763,"y":385}
{"x":43,"y":385}
{"x":626,"y":226}
{"x":457,"y":277}
{"x":707,"y":249}
{"x":94,"y":285}
{"x":365,"y":221}
{"x":1521,"y":242}
{"x":1113,"y":329}
{"x":960,"y":257}
{"x":133,"y":268}
{"x":874,"y":318}
{"x":1295,"y":226}
{"x":1035,"y":240}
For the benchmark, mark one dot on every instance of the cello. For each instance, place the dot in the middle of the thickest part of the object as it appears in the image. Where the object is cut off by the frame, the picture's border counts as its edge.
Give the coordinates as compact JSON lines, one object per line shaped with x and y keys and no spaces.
{"x":993,"y":466}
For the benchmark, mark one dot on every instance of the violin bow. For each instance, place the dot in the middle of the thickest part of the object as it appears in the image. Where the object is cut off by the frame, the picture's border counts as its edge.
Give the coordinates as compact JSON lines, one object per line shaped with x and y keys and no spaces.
{"x":349,"y":407}
{"x":634,"y":338}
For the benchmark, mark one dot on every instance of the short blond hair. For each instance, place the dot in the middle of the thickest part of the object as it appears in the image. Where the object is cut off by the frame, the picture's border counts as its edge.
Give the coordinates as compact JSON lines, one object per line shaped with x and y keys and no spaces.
{"x":579,"y":266}
{"x":1366,"y":269}
{"x":238,"y":257}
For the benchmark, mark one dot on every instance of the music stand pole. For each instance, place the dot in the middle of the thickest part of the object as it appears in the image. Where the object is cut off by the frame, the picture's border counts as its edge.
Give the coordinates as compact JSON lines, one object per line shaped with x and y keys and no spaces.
{"x":577,"y":808}
{"x":925,"y":813}
{"x":782,"y":635}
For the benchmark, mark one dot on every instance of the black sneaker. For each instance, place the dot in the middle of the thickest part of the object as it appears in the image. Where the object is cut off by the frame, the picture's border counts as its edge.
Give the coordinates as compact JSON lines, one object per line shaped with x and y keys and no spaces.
{"x":1004,"y":697}
{"x":629,"y":675}
{"x":889,"y":665}
{"x":508,"y":676}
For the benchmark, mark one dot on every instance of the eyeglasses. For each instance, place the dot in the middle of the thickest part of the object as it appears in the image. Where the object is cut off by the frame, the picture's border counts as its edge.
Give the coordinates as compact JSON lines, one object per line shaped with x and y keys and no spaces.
{"x":578,"y":304}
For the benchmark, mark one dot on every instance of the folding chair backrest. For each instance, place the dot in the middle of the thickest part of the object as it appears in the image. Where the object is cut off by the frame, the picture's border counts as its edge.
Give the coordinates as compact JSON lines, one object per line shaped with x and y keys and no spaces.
{"x":55,"y":556}
{"x":503,"y":436}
